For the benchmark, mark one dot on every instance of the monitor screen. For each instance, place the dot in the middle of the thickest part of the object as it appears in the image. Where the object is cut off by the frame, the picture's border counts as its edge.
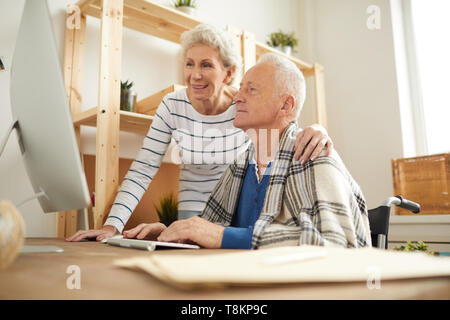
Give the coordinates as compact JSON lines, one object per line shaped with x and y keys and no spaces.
{"x":39,"y":103}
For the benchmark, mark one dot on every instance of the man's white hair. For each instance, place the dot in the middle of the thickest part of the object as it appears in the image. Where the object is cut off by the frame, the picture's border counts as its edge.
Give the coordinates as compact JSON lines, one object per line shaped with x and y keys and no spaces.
{"x":215,"y":38}
{"x":288,"y":78}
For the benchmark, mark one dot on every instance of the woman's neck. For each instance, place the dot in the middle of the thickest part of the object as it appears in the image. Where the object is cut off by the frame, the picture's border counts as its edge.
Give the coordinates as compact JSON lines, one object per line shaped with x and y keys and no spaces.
{"x":216,"y":104}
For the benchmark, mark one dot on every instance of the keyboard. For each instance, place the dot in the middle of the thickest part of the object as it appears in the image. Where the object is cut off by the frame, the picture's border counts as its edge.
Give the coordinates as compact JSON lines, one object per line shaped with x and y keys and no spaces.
{"x":147,"y":244}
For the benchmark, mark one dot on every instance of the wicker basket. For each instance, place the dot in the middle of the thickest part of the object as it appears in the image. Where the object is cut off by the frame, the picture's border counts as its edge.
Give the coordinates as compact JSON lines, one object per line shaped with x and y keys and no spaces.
{"x":425,"y":180}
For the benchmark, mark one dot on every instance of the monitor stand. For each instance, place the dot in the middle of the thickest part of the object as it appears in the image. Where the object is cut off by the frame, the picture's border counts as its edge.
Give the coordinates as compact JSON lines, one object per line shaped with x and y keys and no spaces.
{"x":26,"y":248}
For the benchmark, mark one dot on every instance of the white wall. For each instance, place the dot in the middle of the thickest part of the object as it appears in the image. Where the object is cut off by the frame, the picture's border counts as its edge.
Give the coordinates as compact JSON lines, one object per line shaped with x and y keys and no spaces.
{"x":361,"y":88}
{"x":148,"y":61}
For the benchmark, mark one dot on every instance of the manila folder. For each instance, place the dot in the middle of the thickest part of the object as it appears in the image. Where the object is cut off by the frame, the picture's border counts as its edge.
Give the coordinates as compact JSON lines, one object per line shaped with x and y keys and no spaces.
{"x":254,"y":267}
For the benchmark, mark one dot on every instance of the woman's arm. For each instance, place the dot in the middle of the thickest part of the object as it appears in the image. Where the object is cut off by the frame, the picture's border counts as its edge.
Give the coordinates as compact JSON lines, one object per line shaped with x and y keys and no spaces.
{"x":138,"y":178}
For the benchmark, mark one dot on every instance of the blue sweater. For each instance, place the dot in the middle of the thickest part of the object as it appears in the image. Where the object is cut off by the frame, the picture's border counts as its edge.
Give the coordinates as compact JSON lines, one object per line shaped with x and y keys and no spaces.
{"x":251,"y":200}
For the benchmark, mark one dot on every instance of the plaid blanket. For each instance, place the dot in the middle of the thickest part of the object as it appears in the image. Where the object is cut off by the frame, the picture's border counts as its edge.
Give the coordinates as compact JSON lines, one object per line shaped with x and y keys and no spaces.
{"x":317,"y":203}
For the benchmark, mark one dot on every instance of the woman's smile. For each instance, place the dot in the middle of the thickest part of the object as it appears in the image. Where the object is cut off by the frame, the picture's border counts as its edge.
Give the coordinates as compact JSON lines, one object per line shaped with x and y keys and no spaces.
{"x":198,"y":87}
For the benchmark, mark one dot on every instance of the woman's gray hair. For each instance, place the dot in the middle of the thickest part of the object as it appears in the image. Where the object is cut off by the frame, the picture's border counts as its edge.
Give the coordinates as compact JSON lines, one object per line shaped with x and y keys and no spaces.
{"x":288,"y":79}
{"x":215,"y":38}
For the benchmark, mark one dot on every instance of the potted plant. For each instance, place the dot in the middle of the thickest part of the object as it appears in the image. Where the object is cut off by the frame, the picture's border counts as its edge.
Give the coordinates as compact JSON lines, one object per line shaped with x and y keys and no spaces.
{"x":284,"y":42}
{"x":186,"y":6}
{"x":415,"y":246}
{"x":127,"y":96}
{"x":169,"y":209}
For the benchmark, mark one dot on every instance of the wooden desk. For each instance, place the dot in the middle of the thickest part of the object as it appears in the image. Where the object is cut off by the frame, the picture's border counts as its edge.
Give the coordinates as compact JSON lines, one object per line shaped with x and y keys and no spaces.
{"x":43,"y":276}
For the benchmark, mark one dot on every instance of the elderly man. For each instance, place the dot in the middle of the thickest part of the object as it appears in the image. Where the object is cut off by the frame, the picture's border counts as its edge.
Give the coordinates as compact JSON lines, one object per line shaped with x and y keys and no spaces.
{"x":266,"y":198}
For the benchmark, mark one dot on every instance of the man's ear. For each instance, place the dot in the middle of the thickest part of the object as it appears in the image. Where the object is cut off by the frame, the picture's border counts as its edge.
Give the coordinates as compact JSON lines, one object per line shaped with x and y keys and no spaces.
{"x":288,"y":104}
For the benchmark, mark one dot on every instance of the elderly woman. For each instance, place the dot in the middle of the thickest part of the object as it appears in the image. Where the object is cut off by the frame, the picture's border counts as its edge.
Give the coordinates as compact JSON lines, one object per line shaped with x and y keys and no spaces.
{"x":200,"y":120}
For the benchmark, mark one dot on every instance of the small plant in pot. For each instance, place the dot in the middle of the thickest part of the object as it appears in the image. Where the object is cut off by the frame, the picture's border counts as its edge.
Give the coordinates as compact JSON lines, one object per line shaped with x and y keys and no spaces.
{"x":186,"y":6}
{"x":412,"y":246}
{"x":168,"y":212}
{"x":127,"y":96}
{"x":284,"y":42}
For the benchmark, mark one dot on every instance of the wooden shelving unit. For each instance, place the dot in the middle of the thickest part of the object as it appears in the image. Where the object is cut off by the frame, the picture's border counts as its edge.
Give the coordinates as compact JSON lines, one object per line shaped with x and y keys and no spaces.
{"x":129,"y":121}
{"x":155,"y":20}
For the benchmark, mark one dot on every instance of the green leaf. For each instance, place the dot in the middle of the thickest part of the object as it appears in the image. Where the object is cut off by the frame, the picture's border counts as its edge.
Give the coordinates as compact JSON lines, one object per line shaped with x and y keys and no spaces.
{"x":124,"y":86}
{"x":414,"y":246}
{"x":185,"y":3}
{"x":168,"y":211}
{"x":282,"y":39}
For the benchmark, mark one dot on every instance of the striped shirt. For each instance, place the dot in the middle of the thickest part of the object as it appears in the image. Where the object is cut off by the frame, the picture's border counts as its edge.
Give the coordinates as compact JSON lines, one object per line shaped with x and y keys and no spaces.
{"x":207,"y":145}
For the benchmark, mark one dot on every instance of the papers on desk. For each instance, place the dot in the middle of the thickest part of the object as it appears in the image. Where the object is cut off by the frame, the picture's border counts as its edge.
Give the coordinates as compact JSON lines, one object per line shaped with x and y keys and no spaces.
{"x":287,"y":265}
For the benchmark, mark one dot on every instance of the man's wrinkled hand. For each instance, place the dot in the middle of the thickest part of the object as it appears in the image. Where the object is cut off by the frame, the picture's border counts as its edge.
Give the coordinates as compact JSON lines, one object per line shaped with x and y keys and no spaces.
{"x":194,"y":230}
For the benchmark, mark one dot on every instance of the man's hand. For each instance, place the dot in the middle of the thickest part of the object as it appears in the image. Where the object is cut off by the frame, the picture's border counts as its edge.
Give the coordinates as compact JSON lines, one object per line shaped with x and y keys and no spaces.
{"x":147,"y":231}
{"x":310,"y":142}
{"x":99,"y":235}
{"x":194,"y":230}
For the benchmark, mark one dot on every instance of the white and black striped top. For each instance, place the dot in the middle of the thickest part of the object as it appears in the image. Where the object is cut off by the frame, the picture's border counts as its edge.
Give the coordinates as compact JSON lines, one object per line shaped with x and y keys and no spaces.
{"x":207,"y":145}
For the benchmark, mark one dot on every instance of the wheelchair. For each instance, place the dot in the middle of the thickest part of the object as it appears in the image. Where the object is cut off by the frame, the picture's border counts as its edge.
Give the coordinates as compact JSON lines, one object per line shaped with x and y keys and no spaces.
{"x":379,"y":219}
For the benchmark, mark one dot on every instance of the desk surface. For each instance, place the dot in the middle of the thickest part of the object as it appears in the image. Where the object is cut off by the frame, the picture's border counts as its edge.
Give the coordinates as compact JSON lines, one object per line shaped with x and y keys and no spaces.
{"x":43,"y":276}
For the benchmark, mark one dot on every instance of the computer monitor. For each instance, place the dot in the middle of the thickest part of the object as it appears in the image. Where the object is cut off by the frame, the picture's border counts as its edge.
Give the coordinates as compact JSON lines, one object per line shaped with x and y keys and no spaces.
{"x":41,"y":115}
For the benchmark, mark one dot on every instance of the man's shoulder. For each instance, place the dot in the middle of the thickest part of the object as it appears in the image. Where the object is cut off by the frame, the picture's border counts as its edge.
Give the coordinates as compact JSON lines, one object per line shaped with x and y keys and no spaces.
{"x":323,"y":166}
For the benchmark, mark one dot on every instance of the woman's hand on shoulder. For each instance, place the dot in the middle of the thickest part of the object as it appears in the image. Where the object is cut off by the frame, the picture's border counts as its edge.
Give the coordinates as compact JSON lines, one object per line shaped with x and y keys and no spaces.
{"x":310,"y":143}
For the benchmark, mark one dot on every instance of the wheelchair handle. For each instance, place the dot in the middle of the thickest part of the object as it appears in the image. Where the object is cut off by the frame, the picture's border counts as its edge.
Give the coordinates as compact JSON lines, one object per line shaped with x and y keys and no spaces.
{"x":402,"y":203}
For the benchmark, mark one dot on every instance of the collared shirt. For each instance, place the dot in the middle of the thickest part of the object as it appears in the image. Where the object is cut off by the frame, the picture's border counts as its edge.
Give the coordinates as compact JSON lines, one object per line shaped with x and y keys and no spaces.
{"x":251,"y":201}
{"x":318,"y":203}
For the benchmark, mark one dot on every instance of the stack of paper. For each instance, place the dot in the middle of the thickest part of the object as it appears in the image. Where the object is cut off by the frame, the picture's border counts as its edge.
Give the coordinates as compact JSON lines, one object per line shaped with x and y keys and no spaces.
{"x":288,"y":265}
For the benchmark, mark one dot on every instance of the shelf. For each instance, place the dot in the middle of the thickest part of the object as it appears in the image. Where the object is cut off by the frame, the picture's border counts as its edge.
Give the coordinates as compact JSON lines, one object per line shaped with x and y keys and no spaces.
{"x":137,"y":122}
{"x":149,"y":105}
{"x":129,"y":121}
{"x":147,"y":17}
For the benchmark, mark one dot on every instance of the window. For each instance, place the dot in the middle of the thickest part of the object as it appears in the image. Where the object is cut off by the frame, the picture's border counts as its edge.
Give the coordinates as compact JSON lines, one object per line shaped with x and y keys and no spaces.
{"x":430,"y":28}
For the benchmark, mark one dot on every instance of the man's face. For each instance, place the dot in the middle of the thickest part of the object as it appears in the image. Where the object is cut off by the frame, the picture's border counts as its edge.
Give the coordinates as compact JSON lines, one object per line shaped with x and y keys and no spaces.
{"x":256,"y":104}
